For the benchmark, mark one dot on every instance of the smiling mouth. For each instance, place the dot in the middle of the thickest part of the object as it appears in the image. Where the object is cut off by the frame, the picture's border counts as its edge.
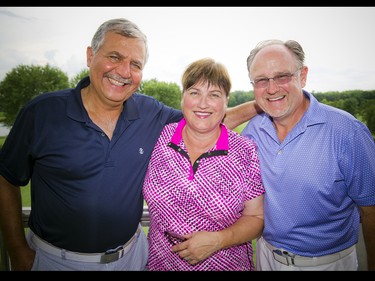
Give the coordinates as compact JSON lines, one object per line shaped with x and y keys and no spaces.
{"x":202,"y":114}
{"x":119,"y":83}
{"x":276,"y":99}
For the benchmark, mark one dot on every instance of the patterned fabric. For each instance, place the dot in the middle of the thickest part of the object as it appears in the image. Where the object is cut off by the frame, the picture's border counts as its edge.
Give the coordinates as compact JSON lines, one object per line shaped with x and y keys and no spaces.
{"x":315,"y":179}
{"x":211,"y":199}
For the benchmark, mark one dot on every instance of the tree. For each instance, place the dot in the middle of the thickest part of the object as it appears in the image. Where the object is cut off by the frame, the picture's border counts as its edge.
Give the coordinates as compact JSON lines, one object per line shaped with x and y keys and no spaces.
{"x":238,"y":97}
{"x":368,"y":112}
{"x":74,"y":81}
{"x":167,"y":93}
{"x":25,"y":82}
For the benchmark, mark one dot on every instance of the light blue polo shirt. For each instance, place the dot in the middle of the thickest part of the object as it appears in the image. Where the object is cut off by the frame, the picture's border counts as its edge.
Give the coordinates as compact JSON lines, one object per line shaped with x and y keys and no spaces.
{"x":315,"y":179}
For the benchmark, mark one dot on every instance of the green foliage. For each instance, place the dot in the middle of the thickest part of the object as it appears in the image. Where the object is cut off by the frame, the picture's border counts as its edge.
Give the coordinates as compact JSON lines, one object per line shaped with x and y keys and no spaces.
{"x":26,"y":195}
{"x":74,"y":81}
{"x":167,"y":93}
{"x":239,"y":97}
{"x":359,"y":103}
{"x":24,"y":83}
{"x":2,"y":140}
{"x":368,"y":115}
{"x":239,"y":128}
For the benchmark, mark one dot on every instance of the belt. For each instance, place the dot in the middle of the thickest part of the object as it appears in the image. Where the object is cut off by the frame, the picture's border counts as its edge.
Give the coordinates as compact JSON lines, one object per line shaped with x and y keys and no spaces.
{"x":288,"y":258}
{"x":106,"y":257}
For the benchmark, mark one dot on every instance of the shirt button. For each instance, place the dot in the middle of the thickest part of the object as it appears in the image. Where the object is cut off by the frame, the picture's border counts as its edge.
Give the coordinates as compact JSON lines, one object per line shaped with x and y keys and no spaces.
{"x":279,"y":152}
{"x":103,"y":134}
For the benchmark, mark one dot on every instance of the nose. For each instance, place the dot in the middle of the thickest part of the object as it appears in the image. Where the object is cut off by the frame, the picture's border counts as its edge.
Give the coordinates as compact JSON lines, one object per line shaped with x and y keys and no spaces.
{"x":203,"y":101}
{"x":124,"y":69}
{"x":272,"y":86}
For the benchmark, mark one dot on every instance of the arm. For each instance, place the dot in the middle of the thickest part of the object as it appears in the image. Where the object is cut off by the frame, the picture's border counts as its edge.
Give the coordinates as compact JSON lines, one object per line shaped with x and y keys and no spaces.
{"x":21,"y":255}
{"x":203,"y":244}
{"x":241,"y":113}
{"x":368,"y":227}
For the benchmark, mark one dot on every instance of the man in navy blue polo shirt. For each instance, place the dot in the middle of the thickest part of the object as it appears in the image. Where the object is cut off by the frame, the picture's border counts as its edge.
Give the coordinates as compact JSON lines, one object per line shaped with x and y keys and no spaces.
{"x":86,"y":151}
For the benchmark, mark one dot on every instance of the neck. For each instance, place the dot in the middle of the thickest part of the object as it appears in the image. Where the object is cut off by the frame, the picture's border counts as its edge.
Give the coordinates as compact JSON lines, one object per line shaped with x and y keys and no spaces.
{"x":104,"y":116}
{"x":199,"y":143}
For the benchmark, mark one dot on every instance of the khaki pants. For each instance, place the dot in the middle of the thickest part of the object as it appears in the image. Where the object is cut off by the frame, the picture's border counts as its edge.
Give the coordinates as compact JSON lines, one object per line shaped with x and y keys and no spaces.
{"x":265,"y":261}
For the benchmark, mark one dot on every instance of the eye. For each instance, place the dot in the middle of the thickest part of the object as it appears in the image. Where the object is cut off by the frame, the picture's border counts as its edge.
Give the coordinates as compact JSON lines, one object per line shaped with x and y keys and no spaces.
{"x":215,"y":95}
{"x":261,"y":80}
{"x":137,"y":65}
{"x":193,"y":93}
{"x":283,"y":78}
{"x":114,"y":58}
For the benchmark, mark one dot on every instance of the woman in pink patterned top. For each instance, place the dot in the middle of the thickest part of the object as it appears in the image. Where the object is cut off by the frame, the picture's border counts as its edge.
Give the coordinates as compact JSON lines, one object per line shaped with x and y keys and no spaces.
{"x":203,"y":185}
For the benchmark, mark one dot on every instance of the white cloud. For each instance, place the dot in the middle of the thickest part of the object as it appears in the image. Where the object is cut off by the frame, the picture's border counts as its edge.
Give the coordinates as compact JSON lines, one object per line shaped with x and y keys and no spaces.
{"x":338,"y":41}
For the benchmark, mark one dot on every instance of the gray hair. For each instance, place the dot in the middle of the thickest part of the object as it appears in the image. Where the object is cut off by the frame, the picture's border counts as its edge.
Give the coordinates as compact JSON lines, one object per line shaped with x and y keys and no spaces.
{"x":120,"y":26}
{"x":293,"y":46}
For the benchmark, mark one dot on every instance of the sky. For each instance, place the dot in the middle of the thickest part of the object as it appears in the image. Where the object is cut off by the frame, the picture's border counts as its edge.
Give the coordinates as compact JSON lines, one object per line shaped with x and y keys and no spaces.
{"x":339,"y":42}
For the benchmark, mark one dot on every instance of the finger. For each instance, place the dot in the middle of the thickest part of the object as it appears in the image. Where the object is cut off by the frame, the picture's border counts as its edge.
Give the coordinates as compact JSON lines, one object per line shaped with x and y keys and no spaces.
{"x":184,"y":253}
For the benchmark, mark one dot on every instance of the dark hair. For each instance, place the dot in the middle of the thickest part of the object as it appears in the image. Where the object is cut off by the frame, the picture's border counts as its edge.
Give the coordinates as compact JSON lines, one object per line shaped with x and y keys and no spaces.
{"x":207,"y":70}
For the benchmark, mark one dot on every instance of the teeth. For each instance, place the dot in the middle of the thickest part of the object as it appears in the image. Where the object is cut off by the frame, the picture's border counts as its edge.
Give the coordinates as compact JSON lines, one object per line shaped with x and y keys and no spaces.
{"x":202,"y":113}
{"x":116,"y":82}
{"x":279,"y":98}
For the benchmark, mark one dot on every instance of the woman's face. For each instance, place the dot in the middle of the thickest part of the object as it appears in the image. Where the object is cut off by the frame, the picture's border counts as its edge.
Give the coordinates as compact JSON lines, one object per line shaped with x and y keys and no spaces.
{"x":204,"y":106}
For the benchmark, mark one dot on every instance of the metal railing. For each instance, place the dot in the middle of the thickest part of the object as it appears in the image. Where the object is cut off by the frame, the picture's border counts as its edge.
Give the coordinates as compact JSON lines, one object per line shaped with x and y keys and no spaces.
{"x":5,"y":261}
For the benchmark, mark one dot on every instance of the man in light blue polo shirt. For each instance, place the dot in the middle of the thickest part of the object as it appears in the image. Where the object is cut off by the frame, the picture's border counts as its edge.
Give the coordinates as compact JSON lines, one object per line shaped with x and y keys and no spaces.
{"x":318,"y":167}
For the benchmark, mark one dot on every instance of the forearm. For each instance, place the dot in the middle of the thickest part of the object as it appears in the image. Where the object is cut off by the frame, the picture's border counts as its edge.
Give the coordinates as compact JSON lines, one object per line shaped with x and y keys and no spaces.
{"x":11,"y":223}
{"x":243,"y":230}
{"x":203,"y":244}
{"x":200,"y":245}
{"x":368,"y":228}
{"x":241,"y":113}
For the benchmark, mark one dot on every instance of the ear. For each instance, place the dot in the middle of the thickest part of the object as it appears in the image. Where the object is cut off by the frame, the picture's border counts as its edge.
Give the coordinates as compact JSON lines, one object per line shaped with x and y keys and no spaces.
{"x":304,"y":72}
{"x":227,"y":101}
{"x":89,"y":55}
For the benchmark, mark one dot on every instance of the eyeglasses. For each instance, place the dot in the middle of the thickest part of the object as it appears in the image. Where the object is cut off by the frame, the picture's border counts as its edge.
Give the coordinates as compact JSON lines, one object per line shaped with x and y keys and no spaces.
{"x":280,"y":79}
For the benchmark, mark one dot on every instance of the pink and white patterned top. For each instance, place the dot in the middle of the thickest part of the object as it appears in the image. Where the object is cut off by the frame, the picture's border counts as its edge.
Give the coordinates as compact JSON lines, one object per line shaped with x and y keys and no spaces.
{"x":208,"y":196}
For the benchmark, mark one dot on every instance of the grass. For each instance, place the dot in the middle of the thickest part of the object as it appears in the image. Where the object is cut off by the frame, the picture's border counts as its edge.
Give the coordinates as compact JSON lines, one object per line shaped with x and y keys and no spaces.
{"x":240,"y":128}
{"x":2,"y":139}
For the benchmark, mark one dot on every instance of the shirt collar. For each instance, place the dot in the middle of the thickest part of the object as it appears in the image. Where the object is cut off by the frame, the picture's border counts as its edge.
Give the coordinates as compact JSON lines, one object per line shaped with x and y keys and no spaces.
{"x":76,"y":110}
{"x":313,"y":115}
{"x":221,"y":144}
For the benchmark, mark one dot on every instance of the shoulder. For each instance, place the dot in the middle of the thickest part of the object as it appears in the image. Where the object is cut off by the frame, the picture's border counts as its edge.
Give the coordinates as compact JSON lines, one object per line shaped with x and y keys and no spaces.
{"x":170,"y":128}
{"x":240,"y":142}
{"x":49,"y":98}
{"x":341,"y":119}
{"x":151,"y":106}
{"x":144,"y":99}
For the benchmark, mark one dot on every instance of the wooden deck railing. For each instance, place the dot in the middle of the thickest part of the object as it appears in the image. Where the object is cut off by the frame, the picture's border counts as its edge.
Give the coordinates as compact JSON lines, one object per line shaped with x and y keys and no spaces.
{"x":5,"y":262}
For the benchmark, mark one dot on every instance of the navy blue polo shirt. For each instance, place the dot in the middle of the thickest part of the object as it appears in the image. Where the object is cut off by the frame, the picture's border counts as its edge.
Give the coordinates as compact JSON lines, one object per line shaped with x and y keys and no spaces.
{"x":86,"y":190}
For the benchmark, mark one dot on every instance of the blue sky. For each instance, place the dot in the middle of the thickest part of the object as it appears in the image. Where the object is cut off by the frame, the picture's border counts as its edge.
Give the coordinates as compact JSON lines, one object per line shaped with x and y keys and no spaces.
{"x":339,"y":42}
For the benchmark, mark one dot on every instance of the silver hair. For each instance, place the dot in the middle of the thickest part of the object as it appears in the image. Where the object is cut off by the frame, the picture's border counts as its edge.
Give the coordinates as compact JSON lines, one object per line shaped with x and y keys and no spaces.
{"x":291,"y":45}
{"x":120,"y":26}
